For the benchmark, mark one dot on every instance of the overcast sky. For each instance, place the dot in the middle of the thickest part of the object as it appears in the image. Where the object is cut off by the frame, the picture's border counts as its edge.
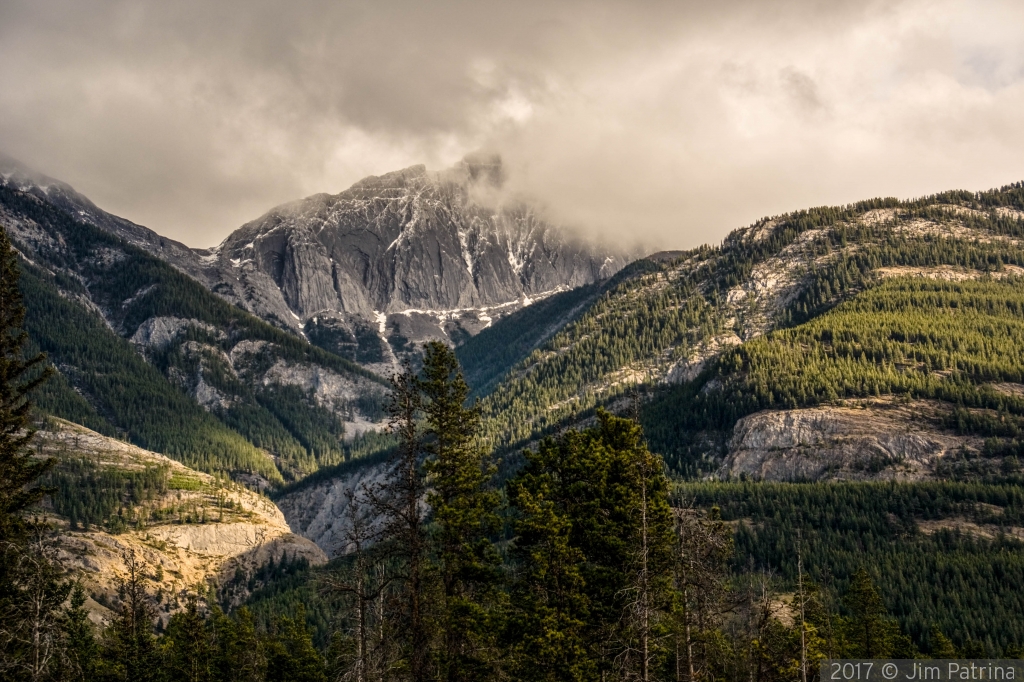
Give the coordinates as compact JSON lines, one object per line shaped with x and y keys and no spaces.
{"x":669,"y":122}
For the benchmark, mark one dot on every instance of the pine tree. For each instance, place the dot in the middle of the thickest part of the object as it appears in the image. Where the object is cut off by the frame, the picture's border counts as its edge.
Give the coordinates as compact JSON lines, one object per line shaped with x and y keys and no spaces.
{"x":18,"y":377}
{"x":399,"y":503}
{"x":609,"y":489}
{"x":187,"y":648}
{"x":130,"y":649}
{"x":546,"y":631}
{"x":292,"y":656}
{"x":463,"y":506}
{"x":81,"y":652}
{"x":31,"y":591}
{"x":869,"y":631}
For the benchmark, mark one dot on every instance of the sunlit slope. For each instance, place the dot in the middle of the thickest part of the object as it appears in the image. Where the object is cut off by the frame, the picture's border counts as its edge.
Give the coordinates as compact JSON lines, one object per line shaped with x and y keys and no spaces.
{"x":960,"y":343}
{"x":660,"y":328}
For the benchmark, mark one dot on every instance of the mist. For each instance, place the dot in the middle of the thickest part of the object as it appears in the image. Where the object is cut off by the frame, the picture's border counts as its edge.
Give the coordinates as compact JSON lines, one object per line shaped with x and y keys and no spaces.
{"x":667,"y":123}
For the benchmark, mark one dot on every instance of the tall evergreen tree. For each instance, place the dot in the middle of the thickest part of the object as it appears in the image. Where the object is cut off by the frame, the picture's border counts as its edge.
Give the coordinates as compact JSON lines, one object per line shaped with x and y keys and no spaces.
{"x":31,"y":590}
{"x":81,"y":653}
{"x":292,"y":657}
{"x":399,"y":503}
{"x":546,"y":629}
{"x":609,"y":489}
{"x":18,"y":377}
{"x":463,"y":505}
{"x":187,"y":647}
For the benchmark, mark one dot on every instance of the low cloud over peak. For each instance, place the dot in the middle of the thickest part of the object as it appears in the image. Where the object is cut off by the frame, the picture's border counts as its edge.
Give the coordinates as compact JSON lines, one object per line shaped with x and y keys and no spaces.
{"x":668,"y":122}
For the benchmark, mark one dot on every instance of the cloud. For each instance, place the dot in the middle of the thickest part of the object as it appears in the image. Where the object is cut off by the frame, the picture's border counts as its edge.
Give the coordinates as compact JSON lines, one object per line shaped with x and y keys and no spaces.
{"x":669,"y":122}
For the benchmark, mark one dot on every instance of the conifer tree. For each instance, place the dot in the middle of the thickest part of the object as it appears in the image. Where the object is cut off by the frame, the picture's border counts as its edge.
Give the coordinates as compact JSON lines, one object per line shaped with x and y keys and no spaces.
{"x":609,"y":489}
{"x":292,"y":656}
{"x":131,"y":653}
{"x":399,"y":503}
{"x":463,"y":505}
{"x":81,"y":652}
{"x":187,"y":648}
{"x":18,"y":377}
{"x":546,"y":630}
{"x":31,"y":590}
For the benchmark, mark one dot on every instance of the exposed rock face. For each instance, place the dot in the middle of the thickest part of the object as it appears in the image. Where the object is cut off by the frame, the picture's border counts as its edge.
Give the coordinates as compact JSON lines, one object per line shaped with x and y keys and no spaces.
{"x":176,"y":556}
{"x":400,"y":258}
{"x":322,"y":512}
{"x":879,"y":439}
{"x":391,"y":249}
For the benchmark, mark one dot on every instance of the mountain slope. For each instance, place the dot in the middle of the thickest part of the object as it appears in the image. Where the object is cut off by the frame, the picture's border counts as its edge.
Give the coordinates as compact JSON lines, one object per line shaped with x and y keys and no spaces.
{"x":660,"y":328}
{"x":186,"y":527}
{"x":146,"y":351}
{"x":403,"y":257}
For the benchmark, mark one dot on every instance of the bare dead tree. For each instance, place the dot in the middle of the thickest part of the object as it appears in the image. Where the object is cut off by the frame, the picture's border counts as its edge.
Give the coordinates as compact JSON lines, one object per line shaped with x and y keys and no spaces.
{"x":364,"y":584}
{"x":30,"y":631}
{"x":640,"y":611}
{"x":704,"y":546}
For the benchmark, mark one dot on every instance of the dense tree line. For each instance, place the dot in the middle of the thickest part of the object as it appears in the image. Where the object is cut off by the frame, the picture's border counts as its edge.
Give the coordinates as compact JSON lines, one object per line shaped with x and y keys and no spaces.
{"x":963,"y":584}
{"x":907,"y":337}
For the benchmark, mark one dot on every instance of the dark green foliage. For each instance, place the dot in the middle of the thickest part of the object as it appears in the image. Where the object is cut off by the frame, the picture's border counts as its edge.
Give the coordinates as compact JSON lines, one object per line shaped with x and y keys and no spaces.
{"x":318,"y":430}
{"x":81,"y":655}
{"x":131,"y":652}
{"x":186,"y":644}
{"x":869,"y":632}
{"x":963,"y":584}
{"x":487,"y":357}
{"x":463,"y":508}
{"x":129,"y":392}
{"x":291,"y":656}
{"x":87,"y":494}
{"x":581,"y":499}
{"x":18,"y":377}
{"x":916,"y":337}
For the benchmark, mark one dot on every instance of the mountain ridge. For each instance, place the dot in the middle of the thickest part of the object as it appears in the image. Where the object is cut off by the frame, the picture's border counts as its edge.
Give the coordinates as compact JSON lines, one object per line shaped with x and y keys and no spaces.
{"x":370,"y":272}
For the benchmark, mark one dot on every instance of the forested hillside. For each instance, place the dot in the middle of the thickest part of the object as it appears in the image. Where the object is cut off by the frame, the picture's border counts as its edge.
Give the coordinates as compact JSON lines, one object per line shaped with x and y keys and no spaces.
{"x":656,"y":331}
{"x":959,"y":343}
{"x":147,"y":353}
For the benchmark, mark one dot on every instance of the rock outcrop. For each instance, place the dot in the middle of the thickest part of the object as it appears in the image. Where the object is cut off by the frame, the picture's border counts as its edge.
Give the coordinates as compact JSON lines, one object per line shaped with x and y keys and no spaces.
{"x":879,"y":439}
{"x":409,"y":255}
{"x":238,"y":530}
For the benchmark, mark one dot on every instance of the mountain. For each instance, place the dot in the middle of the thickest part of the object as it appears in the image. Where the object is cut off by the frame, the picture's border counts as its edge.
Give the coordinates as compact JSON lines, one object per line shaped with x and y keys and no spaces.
{"x":681,"y":334}
{"x":145,"y":352}
{"x":401,"y":258}
{"x":370,"y":272}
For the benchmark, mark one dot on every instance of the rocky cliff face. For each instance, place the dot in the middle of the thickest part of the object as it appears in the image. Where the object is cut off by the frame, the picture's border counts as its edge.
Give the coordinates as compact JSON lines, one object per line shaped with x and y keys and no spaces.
{"x":393,"y":260}
{"x":876,"y":439}
{"x":228,"y":532}
{"x":402,"y":257}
